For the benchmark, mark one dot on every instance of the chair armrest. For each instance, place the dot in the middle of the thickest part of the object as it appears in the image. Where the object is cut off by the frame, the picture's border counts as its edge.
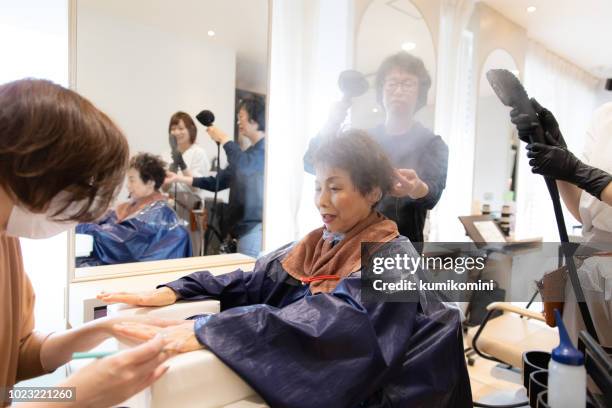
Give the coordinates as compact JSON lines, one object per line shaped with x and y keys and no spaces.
{"x":198,"y":379}
{"x":508,"y":307}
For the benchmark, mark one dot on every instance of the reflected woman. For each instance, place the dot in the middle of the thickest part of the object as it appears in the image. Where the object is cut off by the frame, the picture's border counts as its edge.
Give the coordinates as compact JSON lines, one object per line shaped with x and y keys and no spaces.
{"x":300,"y":318}
{"x":142,"y":229}
{"x":189,"y":159}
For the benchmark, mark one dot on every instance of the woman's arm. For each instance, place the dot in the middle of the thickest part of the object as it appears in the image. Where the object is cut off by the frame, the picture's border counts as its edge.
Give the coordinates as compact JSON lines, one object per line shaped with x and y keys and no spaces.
{"x":58,"y":347}
{"x":571,"y":197}
{"x":606,"y":194}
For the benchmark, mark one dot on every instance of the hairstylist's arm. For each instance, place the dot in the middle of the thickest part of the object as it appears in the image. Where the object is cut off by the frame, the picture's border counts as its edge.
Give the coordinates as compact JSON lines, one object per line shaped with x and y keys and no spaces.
{"x":570,"y":194}
{"x":177,"y":178}
{"x":111,"y":380}
{"x":57,"y":349}
{"x":606,"y":194}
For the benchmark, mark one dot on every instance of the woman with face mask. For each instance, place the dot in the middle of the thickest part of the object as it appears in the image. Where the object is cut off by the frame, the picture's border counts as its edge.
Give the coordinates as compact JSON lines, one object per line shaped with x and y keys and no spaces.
{"x":61,"y":161}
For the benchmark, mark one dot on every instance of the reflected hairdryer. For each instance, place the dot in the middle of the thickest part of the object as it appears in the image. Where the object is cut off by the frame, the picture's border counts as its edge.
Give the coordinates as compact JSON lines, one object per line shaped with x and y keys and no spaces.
{"x":352,"y":84}
{"x":206,"y":118}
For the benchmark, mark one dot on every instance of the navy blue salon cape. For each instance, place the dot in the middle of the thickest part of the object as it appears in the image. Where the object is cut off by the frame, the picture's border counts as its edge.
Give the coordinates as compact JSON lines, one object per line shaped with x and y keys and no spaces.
{"x":330,"y":349}
{"x":153,"y":233}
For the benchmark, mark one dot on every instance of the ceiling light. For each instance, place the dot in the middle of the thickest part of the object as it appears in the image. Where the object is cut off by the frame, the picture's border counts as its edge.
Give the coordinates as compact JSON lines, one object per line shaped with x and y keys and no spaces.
{"x":374,"y":110}
{"x":211,"y":33}
{"x":408,"y":46}
{"x":531,"y":9}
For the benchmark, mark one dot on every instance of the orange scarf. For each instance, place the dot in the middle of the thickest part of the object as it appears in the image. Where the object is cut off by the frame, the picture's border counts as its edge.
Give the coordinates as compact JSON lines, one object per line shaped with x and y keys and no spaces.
{"x":315,"y":261}
{"x":124,"y":210}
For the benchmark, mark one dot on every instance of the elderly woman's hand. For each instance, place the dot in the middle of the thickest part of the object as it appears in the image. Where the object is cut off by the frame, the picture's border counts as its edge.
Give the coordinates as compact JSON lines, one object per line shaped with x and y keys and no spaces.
{"x":112,"y":325}
{"x":158,"y":297}
{"x":179,"y":338}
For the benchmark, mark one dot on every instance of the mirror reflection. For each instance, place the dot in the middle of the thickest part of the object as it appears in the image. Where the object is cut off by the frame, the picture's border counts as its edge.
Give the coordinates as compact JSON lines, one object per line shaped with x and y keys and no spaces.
{"x":190,"y":95}
{"x":389,"y":93}
{"x":495,"y":153}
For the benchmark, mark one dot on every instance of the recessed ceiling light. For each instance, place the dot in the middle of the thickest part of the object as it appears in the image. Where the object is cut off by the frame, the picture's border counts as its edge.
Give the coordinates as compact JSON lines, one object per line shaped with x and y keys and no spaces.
{"x":531,"y":9}
{"x":211,"y":33}
{"x":374,"y":110}
{"x":408,"y":46}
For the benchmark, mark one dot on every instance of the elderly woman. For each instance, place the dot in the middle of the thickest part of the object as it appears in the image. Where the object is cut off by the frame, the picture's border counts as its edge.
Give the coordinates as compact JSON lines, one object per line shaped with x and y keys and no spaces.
{"x":298,"y":329}
{"x":142,"y":229}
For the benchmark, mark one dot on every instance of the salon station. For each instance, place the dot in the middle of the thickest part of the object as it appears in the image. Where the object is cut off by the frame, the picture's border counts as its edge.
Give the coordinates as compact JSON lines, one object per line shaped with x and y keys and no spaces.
{"x":205,"y":198}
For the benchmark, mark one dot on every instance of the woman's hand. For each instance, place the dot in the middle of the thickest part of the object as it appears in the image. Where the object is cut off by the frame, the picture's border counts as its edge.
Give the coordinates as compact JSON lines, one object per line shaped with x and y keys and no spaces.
{"x":179,"y":338}
{"x":57,"y":349}
{"x":171,"y":178}
{"x":158,"y":297}
{"x":110,"y":326}
{"x":407,"y":183}
{"x":111,"y":380}
{"x":217,"y":135}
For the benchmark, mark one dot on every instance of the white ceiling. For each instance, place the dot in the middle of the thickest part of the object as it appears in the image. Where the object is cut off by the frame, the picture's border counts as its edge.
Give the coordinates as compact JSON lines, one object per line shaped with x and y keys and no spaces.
{"x":241,"y":25}
{"x":577,"y":30}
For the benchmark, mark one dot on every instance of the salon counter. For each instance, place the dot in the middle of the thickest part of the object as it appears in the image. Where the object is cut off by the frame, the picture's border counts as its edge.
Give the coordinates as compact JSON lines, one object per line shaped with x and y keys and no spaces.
{"x":88,"y":282}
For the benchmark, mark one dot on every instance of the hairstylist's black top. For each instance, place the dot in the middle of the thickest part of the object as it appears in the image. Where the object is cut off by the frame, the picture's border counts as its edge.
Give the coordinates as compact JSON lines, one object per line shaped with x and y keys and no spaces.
{"x":245,"y":178}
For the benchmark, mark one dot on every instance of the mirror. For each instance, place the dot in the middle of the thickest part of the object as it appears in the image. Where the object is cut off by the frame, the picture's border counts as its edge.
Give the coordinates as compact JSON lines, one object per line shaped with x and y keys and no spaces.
{"x":142,"y":61}
{"x":495,"y":158}
{"x":404,"y":29}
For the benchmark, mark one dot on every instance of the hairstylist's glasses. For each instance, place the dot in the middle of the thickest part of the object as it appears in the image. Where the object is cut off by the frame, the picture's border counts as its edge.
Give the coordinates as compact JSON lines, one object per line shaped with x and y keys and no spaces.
{"x":405,"y":86}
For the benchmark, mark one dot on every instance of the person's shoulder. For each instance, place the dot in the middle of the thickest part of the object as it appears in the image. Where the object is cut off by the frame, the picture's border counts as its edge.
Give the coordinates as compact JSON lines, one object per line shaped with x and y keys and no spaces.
{"x":426,"y":134}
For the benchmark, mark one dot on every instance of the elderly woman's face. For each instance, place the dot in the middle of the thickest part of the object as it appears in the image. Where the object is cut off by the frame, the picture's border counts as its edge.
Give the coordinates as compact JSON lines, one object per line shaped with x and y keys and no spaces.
{"x":340,"y":203}
{"x":136,"y":187}
{"x":181,"y":133}
{"x":400,"y":92}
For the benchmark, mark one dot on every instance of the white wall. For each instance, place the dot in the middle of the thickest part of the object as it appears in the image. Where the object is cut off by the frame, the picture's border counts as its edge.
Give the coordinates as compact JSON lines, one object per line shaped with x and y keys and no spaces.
{"x":38,"y":47}
{"x":603,"y":95}
{"x":141,"y":73}
{"x":492,"y":167}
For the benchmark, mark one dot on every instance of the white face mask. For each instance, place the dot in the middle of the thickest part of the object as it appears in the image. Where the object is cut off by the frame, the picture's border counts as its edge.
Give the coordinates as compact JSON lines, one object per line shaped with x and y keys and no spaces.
{"x":26,"y":224}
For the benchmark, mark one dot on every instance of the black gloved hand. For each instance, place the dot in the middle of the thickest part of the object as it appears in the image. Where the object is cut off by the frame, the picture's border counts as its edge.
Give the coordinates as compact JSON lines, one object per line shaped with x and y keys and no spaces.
{"x":177,"y":160}
{"x":526,"y":128}
{"x":561,"y":164}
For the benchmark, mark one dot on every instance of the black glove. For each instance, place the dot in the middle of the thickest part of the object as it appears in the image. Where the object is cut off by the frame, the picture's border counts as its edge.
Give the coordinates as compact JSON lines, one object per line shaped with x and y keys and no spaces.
{"x":177,"y":160}
{"x":526,"y":128}
{"x":561,"y":164}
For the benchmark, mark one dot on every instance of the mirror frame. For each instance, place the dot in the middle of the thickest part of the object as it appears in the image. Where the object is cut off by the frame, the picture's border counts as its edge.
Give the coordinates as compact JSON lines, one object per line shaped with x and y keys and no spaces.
{"x":143,"y":268}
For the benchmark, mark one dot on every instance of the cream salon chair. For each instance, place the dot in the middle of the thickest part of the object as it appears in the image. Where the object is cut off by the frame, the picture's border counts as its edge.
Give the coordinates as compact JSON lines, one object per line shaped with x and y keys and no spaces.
{"x":194,"y":379}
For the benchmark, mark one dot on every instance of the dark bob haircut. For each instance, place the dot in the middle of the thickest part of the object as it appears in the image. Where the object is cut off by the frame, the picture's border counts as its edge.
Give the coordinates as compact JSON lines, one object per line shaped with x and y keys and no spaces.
{"x":256,"y":109}
{"x":150,"y":167}
{"x":53,"y":140}
{"x":187,"y":121}
{"x":411,"y":64}
{"x":358,"y":154}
